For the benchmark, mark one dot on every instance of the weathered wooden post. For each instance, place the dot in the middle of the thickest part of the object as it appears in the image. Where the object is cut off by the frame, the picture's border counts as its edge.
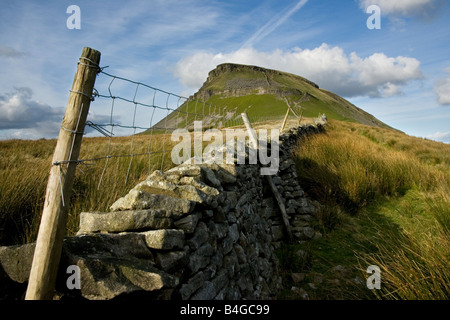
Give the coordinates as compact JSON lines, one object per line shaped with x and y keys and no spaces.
{"x":285,"y":119}
{"x":251,"y":132}
{"x":52,"y":229}
{"x":301,"y":117}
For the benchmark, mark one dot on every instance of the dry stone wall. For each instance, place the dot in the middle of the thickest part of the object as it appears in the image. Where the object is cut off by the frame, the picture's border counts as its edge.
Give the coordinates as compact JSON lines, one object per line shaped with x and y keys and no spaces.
{"x":197,"y":231}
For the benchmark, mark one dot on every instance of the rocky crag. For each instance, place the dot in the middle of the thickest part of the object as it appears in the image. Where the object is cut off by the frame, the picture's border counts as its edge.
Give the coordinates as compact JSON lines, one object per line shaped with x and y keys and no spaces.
{"x":196,"y":231}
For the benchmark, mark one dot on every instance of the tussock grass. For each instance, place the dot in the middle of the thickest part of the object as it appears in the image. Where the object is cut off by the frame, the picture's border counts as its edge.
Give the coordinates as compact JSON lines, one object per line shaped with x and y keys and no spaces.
{"x":24,"y":169}
{"x":395,"y":191}
{"x":25,"y":165}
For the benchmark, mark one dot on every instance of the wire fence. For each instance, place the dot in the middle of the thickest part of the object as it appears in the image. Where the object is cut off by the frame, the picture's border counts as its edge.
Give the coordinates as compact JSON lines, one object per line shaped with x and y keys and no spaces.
{"x":146,"y":114}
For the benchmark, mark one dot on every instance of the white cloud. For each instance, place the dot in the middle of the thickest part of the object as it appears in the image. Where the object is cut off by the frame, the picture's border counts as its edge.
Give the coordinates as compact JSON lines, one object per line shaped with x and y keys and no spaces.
{"x":19,"y":111}
{"x":401,"y":7}
{"x":442,"y":89}
{"x":330,"y":67}
{"x":440,"y":136}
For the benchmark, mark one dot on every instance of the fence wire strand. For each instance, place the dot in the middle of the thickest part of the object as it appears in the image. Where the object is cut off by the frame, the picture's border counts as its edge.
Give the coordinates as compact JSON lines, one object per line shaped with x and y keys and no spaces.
{"x":179,"y":114}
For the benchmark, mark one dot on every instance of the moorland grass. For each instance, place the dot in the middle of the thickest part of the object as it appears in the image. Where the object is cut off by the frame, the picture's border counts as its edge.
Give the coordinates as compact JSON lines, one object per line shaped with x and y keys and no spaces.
{"x":24,"y":169}
{"x":387,"y":204}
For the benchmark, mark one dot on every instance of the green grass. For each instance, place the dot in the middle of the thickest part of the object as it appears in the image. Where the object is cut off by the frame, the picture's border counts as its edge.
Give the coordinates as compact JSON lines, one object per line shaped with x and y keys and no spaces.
{"x":258,"y":107}
{"x":387,"y":204}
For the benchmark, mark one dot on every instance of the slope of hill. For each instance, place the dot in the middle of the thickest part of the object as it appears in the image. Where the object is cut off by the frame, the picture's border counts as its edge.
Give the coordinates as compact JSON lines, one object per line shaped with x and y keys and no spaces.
{"x":386,"y":203}
{"x":264,"y":94}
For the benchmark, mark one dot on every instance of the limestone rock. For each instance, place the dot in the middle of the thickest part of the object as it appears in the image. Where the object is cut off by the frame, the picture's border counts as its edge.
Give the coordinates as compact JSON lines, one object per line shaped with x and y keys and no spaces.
{"x":141,"y":200}
{"x":172,"y":260}
{"x":201,"y":258}
{"x":200,"y":236}
{"x":188,"y":223}
{"x":16,"y":261}
{"x":123,"y":221}
{"x":186,"y":170}
{"x":104,"y":279}
{"x":277,"y":232}
{"x":114,"y":264}
{"x":200,"y":185}
{"x":166,"y":239}
{"x":125,"y":246}
{"x":192,"y":285}
{"x":192,"y":189}
{"x":300,"y":292}
{"x":210,"y":177}
{"x":308,"y":232}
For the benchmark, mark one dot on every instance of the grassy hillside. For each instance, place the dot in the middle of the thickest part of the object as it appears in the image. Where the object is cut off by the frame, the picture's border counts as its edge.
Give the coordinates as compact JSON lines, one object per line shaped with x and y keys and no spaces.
{"x":387,"y":204}
{"x":263,"y":94}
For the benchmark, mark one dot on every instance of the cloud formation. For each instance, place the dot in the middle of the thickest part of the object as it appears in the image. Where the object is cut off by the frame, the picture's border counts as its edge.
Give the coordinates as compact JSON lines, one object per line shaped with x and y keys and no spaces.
{"x":18,"y":110}
{"x":442,"y":89}
{"x":331,"y":68}
{"x":440,"y":136}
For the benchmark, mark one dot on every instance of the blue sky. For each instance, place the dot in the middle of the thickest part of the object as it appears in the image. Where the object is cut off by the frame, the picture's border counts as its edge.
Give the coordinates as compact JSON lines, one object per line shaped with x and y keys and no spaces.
{"x":399,"y":73}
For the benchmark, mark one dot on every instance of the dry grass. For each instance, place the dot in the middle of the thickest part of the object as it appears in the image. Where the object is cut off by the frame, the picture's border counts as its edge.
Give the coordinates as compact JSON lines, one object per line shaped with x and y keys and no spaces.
{"x":25,"y":165}
{"x":24,"y":168}
{"x":396,"y":189}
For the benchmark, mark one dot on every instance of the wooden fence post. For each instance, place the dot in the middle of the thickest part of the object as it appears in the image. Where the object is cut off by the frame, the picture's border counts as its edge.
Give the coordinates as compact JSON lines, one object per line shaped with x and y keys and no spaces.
{"x":301,"y":117}
{"x":47,"y":253}
{"x":251,"y":132}
{"x":285,"y":119}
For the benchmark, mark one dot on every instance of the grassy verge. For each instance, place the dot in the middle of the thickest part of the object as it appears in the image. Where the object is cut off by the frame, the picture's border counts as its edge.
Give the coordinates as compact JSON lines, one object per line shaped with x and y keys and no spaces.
{"x":386,"y":204}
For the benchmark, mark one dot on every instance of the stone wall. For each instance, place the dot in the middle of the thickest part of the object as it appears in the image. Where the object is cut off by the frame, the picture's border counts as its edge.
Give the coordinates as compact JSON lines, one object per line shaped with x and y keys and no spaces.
{"x":197,"y":231}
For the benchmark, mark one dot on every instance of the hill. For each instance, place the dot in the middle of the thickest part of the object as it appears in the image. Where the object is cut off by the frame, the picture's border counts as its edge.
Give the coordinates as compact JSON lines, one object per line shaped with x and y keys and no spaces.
{"x":264,"y":94}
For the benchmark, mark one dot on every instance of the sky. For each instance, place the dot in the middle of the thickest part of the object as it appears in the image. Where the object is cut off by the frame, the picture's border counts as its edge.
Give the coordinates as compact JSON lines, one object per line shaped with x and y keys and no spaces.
{"x":392,"y":60}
